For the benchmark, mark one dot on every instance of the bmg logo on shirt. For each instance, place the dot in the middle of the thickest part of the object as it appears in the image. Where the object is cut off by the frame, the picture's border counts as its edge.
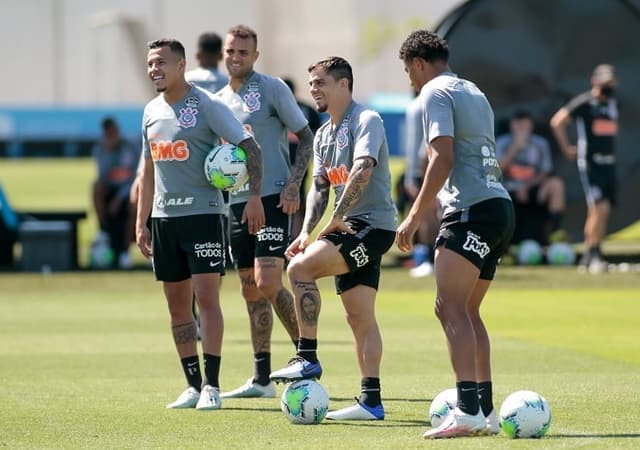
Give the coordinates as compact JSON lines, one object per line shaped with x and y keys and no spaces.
{"x":169,"y":151}
{"x":208,"y":250}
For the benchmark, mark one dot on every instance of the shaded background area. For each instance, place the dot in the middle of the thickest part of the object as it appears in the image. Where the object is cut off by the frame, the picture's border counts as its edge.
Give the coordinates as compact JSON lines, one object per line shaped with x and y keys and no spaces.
{"x":537,"y":55}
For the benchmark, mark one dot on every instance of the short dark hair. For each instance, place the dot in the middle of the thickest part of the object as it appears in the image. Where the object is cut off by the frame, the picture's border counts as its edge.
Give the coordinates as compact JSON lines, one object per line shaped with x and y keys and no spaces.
{"x":520,"y":114}
{"x":174,"y":44}
{"x":289,"y":82}
{"x":210,"y":43}
{"x":244,"y":32}
{"x":337,"y":67}
{"x":426,"y":45}
{"x":108,"y":123}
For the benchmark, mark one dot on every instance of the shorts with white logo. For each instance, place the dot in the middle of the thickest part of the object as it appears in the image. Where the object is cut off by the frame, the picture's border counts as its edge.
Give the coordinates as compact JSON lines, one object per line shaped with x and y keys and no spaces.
{"x":481,"y":234}
{"x":187,"y":245}
{"x":270,"y":241}
{"x":362,"y":252}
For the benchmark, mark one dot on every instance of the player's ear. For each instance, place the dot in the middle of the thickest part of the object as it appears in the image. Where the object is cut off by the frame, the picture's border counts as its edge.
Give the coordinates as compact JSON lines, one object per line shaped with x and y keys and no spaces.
{"x":257,"y":55}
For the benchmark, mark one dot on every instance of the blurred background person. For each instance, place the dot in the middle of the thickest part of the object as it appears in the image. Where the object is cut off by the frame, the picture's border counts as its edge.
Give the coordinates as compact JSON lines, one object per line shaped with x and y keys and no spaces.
{"x":408,"y":187}
{"x":527,"y":173}
{"x":596,"y":116}
{"x":206,"y":75}
{"x":116,"y":161}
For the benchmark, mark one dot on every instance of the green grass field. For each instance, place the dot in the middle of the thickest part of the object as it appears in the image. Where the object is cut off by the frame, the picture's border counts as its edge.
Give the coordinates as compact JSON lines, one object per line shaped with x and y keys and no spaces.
{"x":87,"y":361}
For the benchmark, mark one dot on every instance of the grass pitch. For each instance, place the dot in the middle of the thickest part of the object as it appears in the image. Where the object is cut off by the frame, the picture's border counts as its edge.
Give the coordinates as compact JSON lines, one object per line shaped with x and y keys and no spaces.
{"x":87,"y":361}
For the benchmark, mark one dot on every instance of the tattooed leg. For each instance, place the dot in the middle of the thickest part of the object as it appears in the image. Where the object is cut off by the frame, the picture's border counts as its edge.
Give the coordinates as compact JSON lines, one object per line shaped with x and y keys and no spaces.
{"x":261,"y":320}
{"x":286,"y":312}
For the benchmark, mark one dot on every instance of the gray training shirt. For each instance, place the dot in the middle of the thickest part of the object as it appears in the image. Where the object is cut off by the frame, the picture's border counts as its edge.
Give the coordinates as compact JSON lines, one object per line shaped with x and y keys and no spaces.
{"x":267,"y":108}
{"x":456,"y":107}
{"x":178,"y":138}
{"x":359,"y":133}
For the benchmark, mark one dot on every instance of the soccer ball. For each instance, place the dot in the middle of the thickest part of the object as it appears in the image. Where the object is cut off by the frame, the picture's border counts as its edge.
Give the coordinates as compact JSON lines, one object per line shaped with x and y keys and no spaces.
{"x":101,"y":254}
{"x":525,"y":414}
{"x":442,"y":405}
{"x":305,"y":402}
{"x":529,"y":253}
{"x":560,"y":254}
{"x":225,"y":167}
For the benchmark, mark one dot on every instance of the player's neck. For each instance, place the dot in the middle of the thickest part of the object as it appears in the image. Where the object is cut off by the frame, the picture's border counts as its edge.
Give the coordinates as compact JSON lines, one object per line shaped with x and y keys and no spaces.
{"x":337,"y":110}
{"x":237,"y":82}
{"x":176,"y":93}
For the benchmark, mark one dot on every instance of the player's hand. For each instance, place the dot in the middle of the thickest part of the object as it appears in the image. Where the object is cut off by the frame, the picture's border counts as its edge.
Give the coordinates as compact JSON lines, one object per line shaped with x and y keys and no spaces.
{"x":405,"y":233}
{"x":253,"y":214}
{"x":298,"y":245}
{"x":143,"y":240}
{"x":336,"y":225}
{"x":290,"y":199}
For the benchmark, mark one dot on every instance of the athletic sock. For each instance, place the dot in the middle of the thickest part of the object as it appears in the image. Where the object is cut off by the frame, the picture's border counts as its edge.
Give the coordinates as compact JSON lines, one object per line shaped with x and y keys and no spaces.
{"x":556,"y":220}
{"x":307,"y":349}
{"x":370,"y":391}
{"x":191,"y":369}
{"x":211,"y":370}
{"x":485,"y":397}
{"x":262,"y":368}
{"x":468,"y":397}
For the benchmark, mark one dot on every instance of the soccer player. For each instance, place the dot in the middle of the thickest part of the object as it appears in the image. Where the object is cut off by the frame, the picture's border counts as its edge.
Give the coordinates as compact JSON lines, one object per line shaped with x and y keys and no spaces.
{"x":206,"y":75}
{"x":179,"y":127}
{"x":596,"y":116}
{"x":267,"y":108}
{"x":477,"y":224}
{"x":351,"y":155}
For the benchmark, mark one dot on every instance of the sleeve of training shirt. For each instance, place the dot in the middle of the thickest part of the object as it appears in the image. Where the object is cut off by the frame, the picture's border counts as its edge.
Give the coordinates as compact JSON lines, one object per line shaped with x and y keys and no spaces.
{"x":222,"y":121}
{"x":368,"y":136}
{"x":438,"y":115}
{"x":287,"y":107}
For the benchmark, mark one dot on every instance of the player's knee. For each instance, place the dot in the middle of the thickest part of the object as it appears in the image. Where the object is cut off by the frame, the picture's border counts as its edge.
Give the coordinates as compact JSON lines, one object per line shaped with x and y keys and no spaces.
{"x":298,"y":267}
{"x":268,"y":286}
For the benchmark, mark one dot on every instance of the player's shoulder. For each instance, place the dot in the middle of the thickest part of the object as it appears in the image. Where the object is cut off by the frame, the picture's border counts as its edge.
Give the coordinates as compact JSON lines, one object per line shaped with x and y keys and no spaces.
{"x":362,"y":114}
{"x":153,"y":106}
{"x":539,"y":140}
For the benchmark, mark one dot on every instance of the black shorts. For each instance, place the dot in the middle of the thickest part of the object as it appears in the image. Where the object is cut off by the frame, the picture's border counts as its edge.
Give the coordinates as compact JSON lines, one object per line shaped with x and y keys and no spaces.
{"x":271,"y":240}
{"x":187,"y":245}
{"x":362,"y":252}
{"x":481,"y":233}
{"x":599,"y":182}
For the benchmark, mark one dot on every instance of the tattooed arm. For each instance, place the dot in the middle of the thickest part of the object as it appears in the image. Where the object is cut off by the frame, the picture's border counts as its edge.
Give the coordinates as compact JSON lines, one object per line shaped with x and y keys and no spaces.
{"x":317,"y":200}
{"x":290,"y":195}
{"x":357,"y":182}
{"x":253,"y":211}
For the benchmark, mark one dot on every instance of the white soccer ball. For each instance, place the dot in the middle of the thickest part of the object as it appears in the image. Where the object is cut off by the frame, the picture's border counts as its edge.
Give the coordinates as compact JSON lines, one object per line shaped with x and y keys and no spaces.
{"x":525,"y":414}
{"x":442,"y":405}
{"x":305,"y":402}
{"x":225,"y":167}
{"x":101,"y":255}
{"x":529,"y":253}
{"x":560,"y":254}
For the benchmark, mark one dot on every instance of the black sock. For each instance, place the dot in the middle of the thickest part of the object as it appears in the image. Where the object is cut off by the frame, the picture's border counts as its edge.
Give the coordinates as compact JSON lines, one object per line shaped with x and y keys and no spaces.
{"x":595,"y":251}
{"x":468,"y":397}
{"x":556,"y":220}
{"x":262,"y":367}
{"x":191,"y":369}
{"x":307,"y":349}
{"x":485,"y":397}
{"x":370,"y":391}
{"x":211,"y":370}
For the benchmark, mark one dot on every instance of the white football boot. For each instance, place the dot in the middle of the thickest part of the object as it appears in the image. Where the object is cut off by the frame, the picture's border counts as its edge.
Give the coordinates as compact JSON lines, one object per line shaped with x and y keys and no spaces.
{"x":188,"y":399}
{"x":458,"y":423}
{"x":252,"y":389}
{"x":209,"y":398}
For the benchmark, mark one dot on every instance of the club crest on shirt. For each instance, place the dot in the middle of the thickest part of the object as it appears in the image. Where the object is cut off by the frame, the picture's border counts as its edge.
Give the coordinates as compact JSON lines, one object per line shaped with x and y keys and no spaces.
{"x":187,"y":118}
{"x":192,"y":102}
{"x":252,"y":101}
{"x":342,"y":137}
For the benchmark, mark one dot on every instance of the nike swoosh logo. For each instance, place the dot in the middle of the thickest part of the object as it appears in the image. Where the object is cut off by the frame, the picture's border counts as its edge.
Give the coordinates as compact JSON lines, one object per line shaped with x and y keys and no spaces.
{"x":308,"y":369}
{"x":272,"y":248}
{"x":192,"y":364}
{"x":213,"y":264}
{"x":467,"y":390}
